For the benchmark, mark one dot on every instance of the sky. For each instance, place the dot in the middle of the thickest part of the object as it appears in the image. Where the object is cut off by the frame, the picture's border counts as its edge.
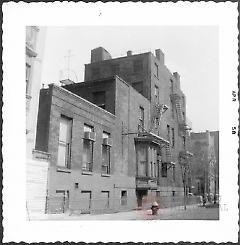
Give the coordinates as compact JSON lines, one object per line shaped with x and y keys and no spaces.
{"x":192,"y":51}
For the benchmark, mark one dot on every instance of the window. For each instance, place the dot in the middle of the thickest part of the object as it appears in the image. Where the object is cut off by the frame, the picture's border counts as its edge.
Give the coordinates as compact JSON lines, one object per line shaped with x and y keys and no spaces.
{"x":172,"y":107}
{"x":138,"y":86}
{"x":105,"y":199}
{"x":106,"y":155}
{"x":173,"y":193}
{"x":158,"y":165}
{"x":142,"y":160}
{"x":153,"y":163}
{"x":156,"y":122}
{"x":174,"y":173}
{"x":184,"y":141}
{"x":183,"y":113}
{"x":137,"y":65}
{"x":64,"y":142}
{"x":76,"y":185}
{"x":156,"y":70}
{"x":168,"y":132}
{"x":171,"y":86}
{"x":164,"y":169}
{"x":173,"y":138}
{"x":99,"y":99}
{"x":123,"y":198}
{"x":28,"y":73}
{"x":156,"y":94}
{"x":87,"y":150}
{"x":157,"y":193}
{"x":141,"y":119}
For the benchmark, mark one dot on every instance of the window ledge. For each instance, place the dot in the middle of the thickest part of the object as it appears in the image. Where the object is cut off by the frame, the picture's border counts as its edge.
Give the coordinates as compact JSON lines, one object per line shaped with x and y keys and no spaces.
{"x":63,"y":170}
{"x":86,"y":172}
{"x":105,"y":175}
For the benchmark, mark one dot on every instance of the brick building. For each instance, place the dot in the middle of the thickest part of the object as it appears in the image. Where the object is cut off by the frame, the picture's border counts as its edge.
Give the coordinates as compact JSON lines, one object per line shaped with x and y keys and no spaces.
{"x":205,"y":162}
{"x":117,"y":138}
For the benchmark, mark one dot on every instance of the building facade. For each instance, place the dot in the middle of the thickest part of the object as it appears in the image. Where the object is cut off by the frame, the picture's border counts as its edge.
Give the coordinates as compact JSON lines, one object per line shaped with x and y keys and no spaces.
{"x":204,"y":165}
{"x":36,"y":162}
{"x":118,"y":139}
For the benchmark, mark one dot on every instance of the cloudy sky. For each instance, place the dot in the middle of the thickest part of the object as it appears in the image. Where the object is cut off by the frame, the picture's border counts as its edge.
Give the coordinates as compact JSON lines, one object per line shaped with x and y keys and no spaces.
{"x":192,"y":51}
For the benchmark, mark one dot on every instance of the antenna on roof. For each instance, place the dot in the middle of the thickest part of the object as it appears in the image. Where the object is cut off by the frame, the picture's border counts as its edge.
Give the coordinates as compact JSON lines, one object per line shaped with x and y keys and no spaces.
{"x":68,"y":56}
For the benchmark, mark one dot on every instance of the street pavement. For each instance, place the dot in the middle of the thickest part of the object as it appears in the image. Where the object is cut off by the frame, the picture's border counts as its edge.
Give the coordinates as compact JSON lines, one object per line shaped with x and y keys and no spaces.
{"x":193,"y":212}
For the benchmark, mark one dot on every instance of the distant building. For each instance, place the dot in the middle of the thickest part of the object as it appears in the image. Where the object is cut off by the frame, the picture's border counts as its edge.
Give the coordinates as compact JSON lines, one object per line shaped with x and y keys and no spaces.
{"x":116,"y":139}
{"x":36,"y":162}
{"x":205,"y":162}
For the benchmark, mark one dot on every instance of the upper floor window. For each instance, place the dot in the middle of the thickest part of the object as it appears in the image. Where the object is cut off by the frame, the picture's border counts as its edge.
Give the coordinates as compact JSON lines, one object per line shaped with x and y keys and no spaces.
{"x":156,"y":94}
{"x":106,"y":147}
{"x":171,"y":85}
{"x":88,"y":140}
{"x":141,"y":118}
{"x":173,"y":138}
{"x":64,"y":142}
{"x":28,"y":73}
{"x":99,"y":99}
{"x":168,"y":132}
{"x":138,"y":86}
{"x":137,"y":65}
{"x":164,"y":169}
{"x":156,"y":70}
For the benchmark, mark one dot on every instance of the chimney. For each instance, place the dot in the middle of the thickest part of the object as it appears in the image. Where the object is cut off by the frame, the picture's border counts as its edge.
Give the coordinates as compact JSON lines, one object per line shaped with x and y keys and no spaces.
{"x":159,"y":55}
{"x":177,"y":78}
{"x":129,"y":52}
{"x":100,"y":54}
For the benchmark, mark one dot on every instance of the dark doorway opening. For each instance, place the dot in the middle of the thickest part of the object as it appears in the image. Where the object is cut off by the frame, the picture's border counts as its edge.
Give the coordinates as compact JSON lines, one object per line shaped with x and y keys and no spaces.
{"x":140,"y":194}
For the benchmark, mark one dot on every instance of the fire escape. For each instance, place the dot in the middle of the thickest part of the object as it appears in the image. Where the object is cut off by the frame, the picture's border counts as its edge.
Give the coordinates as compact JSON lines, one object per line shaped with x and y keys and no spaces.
{"x":184,"y":132}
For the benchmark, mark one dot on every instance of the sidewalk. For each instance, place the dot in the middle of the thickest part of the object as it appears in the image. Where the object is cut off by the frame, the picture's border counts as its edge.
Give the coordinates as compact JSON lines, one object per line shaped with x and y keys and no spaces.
{"x":193,"y":212}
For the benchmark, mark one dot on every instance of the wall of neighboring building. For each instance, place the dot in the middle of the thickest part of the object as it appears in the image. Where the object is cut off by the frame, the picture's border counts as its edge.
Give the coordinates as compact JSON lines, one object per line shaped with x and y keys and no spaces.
{"x":123,"y":67}
{"x":86,"y":90}
{"x":203,"y":167}
{"x":36,"y":162}
{"x":35,"y":44}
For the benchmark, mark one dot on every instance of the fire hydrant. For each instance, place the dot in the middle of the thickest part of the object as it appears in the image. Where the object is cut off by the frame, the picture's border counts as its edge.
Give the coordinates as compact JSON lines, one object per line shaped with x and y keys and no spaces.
{"x":155,"y":208}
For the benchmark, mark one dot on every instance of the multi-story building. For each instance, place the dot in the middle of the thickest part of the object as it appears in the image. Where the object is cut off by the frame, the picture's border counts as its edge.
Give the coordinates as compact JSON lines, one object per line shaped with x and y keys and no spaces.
{"x":117,"y":138}
{"x":149,"y":75}
{"x":204,"y":164}
{"x":37,"y":162}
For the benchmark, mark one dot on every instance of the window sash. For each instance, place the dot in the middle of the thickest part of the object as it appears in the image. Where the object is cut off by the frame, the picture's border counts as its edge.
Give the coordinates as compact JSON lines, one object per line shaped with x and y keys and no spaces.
{"x":106,"y":159}
{"x":87,"y":156}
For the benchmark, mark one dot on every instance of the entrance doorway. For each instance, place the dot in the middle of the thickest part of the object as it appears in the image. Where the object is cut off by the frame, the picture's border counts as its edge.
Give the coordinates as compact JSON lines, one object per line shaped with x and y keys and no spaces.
{"x":140,"y":194}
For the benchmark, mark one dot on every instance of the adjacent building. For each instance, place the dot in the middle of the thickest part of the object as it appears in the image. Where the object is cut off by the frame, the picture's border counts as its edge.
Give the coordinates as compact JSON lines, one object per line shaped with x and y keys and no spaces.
{"x":36,"y":162}
{"x":117,"y":139}
{"x":205,"y":163}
